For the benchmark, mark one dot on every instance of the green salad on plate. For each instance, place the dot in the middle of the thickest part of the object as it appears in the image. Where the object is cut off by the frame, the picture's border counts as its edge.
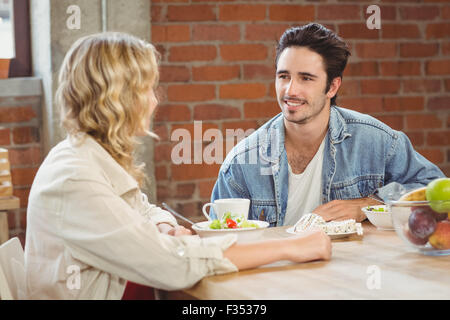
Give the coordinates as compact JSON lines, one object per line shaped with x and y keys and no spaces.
{"x":232,"y":221}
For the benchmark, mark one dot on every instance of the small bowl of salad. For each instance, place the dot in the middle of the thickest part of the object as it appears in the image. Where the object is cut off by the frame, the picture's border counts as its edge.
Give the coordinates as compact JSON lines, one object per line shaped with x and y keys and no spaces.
{"x":246,"y":230}
{"x":379,"y":216}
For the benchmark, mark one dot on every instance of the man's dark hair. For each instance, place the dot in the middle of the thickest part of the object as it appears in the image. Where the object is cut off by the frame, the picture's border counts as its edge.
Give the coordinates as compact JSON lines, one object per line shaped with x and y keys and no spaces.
{"x":330,"y":46}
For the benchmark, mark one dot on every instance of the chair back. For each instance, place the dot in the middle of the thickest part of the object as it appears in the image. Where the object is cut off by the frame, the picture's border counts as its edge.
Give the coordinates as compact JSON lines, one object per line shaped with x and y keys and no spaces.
{"x":5,"y":174}
{"x":7,"y":200}
{"x":12,"y":270}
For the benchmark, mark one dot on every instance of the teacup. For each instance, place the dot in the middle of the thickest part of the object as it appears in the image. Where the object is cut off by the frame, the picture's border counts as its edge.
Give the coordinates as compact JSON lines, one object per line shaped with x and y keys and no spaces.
{"x":236,"y":206}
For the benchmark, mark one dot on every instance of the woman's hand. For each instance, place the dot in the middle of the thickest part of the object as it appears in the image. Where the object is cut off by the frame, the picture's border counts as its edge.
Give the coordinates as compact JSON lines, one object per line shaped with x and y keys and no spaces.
{"x":179,"y":231}
{"x":173,"y":231}
{"x":308,"y":246}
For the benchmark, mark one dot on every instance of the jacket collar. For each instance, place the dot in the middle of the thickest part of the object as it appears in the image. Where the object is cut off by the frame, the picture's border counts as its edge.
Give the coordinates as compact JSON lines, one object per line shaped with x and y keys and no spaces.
{"x":337,"y":127}
{"x":121,"y":181}
{"x":271,"y":139}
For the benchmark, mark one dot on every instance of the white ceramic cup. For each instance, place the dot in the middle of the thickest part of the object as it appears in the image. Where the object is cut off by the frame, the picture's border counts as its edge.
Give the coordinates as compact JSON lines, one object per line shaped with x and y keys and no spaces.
{"x":233,"y":205}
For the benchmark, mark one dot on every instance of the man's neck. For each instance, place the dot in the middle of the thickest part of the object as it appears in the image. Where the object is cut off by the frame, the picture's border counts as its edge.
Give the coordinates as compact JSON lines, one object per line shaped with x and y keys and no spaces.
{"x":307,"y":135}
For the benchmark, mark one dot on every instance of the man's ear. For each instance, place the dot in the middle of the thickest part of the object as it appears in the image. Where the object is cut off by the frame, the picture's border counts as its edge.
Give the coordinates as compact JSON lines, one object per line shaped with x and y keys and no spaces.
{"x":334,"y":87}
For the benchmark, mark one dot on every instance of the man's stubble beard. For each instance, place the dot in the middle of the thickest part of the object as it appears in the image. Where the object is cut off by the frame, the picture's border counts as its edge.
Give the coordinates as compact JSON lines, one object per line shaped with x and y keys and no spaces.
{"x":307,"y":118}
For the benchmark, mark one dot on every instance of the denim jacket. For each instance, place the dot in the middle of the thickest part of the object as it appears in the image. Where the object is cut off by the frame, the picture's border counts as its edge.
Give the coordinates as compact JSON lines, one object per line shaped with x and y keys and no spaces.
{"x":361,"y":155}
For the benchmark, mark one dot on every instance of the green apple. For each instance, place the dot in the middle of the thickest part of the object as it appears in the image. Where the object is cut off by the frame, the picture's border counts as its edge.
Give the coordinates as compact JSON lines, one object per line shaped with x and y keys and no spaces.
{"x":439,"y":190}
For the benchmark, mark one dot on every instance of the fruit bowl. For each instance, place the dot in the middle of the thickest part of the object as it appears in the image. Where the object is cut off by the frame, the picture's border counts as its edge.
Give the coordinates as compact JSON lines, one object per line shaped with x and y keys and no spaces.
{"x":379,"y":216}
{"x":421,"y":227}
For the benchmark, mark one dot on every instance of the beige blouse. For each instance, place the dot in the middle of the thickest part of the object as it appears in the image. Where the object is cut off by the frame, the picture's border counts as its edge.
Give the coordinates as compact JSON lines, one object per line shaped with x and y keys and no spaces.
{"x":90,"y":228}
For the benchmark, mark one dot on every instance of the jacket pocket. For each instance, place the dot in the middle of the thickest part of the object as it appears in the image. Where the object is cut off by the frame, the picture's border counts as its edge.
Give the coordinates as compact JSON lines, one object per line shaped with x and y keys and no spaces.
{"x":264,"y":210}
{"x":360,"y":187}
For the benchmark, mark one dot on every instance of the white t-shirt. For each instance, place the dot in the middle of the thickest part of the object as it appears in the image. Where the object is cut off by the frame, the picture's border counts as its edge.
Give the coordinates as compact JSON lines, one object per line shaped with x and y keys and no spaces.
{"x":305,"y":189}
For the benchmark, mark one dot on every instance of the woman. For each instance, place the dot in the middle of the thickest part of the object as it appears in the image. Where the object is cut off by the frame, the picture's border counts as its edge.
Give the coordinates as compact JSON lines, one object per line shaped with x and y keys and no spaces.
{"x":90,"y":229}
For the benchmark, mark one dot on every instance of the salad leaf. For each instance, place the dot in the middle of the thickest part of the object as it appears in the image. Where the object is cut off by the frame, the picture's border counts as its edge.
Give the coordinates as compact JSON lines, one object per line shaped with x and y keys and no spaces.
{"x":232,"y":221}
{"x":247,"y":224}
{"x":381,"y":209}
{"x":215,"y":224}
{"x":226,"y":215}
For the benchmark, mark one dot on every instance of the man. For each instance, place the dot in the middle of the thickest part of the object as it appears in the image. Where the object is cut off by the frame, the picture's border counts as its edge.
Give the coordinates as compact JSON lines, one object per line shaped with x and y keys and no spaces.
{"x":315,"y":156}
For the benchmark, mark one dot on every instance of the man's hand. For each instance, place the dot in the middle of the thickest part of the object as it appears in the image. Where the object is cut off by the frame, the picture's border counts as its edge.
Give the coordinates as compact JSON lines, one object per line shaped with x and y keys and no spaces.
{"x":344,"y":209}
{"x":173,"y":231}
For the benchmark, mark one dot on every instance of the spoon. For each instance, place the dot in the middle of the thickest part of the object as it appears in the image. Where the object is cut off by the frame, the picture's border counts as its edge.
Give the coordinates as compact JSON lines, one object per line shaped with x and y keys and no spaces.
{"x":176,"y":213}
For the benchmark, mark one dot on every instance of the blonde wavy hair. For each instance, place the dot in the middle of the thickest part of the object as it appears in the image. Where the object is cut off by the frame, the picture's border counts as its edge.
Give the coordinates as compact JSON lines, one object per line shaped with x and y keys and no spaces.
{"x":103,"y":91}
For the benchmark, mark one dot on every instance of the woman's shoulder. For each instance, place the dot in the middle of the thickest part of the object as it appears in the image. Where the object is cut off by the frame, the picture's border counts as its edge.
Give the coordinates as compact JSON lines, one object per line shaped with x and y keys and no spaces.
{"x":70,"y":160}
{"x":81,"y":162}
{"x":63,"y":166}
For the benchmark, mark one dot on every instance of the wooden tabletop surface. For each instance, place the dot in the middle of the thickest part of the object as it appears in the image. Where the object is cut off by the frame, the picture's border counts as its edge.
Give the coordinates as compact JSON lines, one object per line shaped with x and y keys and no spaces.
{"x":377,"y":265}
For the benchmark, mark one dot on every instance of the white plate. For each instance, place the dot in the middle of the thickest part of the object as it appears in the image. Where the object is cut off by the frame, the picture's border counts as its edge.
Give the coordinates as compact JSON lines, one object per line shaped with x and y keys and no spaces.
{"x":244,"y":234}
{"x":331,"y":235}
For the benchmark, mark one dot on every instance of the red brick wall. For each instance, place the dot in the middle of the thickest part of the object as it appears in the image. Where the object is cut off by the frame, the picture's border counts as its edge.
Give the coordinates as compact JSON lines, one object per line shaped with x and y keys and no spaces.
{"x":20,"y":123}
{"x":218,"y":67}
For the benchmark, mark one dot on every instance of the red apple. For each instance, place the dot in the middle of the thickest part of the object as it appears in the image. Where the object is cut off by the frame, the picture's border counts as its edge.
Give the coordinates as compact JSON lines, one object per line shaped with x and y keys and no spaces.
{"x":440,"y":239}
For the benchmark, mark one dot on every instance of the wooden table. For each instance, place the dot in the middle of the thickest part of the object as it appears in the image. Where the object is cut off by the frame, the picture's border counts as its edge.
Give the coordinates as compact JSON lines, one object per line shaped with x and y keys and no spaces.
{"x":377,"y":265}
